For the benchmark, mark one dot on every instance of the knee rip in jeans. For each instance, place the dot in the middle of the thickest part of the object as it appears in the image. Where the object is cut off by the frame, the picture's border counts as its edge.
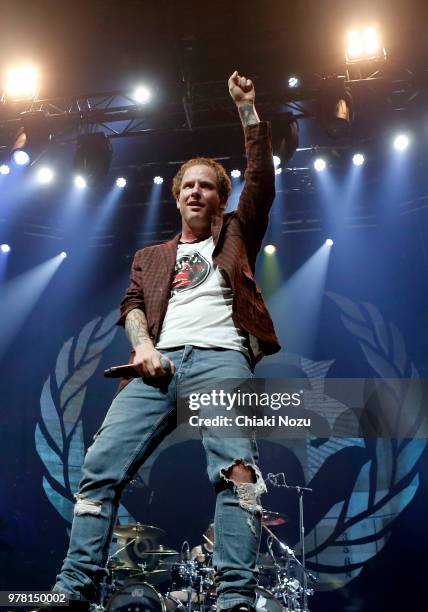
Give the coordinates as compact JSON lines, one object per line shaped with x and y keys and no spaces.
{"x":248,"y":493}
{"x":86,"y":506}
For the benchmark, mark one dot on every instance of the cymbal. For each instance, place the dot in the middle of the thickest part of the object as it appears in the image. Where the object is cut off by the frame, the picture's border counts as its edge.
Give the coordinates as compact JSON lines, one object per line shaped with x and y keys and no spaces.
{"x":160,"y":551}
{"x":115,"y":563}
{"x":138,"y":571}
{"x":271,"y":519}
{"x":137,"y":530}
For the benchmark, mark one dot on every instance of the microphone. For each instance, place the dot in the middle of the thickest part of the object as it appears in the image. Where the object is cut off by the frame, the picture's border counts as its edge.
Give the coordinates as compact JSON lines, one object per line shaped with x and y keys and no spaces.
{"x":128,"y":371}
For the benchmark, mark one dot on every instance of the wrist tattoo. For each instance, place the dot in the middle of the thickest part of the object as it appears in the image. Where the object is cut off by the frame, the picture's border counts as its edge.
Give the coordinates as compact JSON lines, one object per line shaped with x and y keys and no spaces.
{"x":136,"y":327}
{"x":248,"y":114}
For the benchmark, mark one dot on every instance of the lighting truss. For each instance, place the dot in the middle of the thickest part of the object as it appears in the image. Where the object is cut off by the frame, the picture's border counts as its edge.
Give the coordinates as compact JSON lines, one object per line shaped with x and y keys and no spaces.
{"x":206,"y":106}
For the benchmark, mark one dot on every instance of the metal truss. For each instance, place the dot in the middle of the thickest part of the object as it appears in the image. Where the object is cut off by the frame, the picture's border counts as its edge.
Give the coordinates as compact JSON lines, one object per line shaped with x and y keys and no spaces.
{"x":206,"y":106}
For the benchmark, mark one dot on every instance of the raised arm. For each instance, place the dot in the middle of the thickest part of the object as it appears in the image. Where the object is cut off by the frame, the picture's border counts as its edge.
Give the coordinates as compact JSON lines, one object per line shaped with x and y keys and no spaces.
{"x":258,"y":192}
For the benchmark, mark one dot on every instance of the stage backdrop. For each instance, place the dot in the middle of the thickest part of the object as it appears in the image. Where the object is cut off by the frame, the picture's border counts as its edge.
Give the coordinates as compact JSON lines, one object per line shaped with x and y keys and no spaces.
{"x":365,"y":517}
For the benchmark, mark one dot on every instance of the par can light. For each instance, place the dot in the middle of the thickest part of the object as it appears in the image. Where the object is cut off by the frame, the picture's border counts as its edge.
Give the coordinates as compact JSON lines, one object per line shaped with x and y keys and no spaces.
{"x":21,"y":158}
{"x":270,"y":249}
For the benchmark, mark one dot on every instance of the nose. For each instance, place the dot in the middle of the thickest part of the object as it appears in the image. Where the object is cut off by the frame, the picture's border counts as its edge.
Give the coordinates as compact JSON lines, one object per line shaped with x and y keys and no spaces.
{"x":196,"y":190}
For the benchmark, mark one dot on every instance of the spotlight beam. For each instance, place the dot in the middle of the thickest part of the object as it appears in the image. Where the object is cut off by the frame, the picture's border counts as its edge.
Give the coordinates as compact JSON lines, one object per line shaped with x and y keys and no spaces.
{"x":296,"y":306}
{"x":20,"y":296}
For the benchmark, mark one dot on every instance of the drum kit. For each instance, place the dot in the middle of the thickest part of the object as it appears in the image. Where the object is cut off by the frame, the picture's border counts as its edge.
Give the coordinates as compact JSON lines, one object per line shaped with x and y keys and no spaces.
{"x":144,"y":576}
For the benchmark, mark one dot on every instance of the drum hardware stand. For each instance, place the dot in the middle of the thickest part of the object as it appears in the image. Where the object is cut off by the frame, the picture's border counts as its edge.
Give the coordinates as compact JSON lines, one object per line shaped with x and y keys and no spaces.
{"x":208,"y":541}
{"x":123,"y":548}
{"x":273,"y":479}
{"x":276,"y":565}
{"x":141,"y":566}
{"x":105,"y":587}
{"x":289,"y":551}
{"x":300,"y":491}
{"x":185,"y":553}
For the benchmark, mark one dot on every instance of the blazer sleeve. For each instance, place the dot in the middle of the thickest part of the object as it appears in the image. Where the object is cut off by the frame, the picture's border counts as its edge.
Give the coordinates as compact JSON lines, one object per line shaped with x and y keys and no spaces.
{"x":258,"y":192}
{"x":133,"y":297}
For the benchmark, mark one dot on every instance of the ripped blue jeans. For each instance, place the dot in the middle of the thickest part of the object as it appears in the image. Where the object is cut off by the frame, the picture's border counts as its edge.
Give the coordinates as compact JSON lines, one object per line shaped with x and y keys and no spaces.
{"x":141,"y":415}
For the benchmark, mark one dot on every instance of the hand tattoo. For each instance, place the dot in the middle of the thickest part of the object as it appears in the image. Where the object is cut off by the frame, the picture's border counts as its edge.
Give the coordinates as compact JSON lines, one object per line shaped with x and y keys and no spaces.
{"x":136,"y":327}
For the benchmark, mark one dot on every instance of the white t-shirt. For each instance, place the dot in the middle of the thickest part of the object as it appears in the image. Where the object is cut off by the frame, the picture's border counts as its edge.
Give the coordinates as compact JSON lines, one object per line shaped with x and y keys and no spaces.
{"x":200,"y":307}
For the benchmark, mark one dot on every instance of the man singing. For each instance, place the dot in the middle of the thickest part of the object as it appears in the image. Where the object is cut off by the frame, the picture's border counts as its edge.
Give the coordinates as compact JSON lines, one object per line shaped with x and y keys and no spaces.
{"x":192,"y":301}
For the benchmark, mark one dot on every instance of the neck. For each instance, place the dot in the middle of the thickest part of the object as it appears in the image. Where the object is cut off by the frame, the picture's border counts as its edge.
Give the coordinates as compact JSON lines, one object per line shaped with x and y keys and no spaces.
{"x":189,"y":235}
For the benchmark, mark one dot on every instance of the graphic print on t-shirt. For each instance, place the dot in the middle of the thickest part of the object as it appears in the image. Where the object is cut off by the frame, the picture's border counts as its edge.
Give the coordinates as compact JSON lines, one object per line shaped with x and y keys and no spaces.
{"x":190,"y":271}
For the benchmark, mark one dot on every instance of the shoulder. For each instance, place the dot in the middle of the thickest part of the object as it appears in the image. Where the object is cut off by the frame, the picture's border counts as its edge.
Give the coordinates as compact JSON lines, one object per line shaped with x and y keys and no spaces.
{"x":230,"y":217}
{"x":155,"y":249}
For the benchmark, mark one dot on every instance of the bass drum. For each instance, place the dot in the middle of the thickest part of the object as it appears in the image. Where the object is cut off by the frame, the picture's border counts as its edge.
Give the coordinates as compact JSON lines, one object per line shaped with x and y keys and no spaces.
{"x":266,"y":602}
{"x":138,"y":597}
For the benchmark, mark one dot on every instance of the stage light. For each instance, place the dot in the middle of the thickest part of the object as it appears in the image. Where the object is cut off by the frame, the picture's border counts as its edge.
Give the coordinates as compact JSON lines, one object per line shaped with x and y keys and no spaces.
{"x":141,"y":94}
{"x":93,"y":156}
{"x":31,"y":138}
{"x":63,"y":254}
{"x":276,"y":161}
{"x":329,"y":242}
{"x":354,"y":45}
{"x":5,"y":248}
{"x":319,"y":164}
{"x":21,"y":83}
{"x":278,"y":170}
{"x":293,"y":82}
{"x":21,"y":158}
{"x":158,"y":180}
{"x":4,"y":169}
{"x":335,"y":106}
{"x":372,"y":44}
{"x":235,"y":173}
{"x":80,"y":182}
{"x":364,"y":45}
{"x":401,"y":142}
{"x":358,"y":159}
{"x":270,"y":249}
{"x":121,"y":182}
{"x":45,"y":175}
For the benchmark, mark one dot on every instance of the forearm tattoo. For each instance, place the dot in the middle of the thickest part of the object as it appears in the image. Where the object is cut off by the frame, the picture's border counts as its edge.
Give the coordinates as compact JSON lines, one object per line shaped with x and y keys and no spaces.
{"x":136,"y":327}
{"x":248,"y":114}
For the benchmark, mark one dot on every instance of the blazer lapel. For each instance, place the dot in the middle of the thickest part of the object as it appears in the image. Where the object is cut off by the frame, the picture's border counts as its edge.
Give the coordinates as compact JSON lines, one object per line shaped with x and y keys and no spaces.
{"x":216,"y":227}
{"x":169,"y":253}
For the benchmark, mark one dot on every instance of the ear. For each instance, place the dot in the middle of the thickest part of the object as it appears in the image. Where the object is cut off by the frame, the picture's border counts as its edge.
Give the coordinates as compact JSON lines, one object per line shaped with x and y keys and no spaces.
{"x":223,"y":205}
{"x":178,"y":204}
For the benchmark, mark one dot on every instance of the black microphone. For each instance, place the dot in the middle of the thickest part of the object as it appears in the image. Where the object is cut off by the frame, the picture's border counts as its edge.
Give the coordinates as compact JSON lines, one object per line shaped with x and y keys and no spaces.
{"x":128,"y":371}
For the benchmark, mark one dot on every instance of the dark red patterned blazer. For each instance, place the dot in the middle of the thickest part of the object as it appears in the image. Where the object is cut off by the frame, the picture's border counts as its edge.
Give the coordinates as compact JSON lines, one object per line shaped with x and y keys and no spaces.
{"x":237,"y":237}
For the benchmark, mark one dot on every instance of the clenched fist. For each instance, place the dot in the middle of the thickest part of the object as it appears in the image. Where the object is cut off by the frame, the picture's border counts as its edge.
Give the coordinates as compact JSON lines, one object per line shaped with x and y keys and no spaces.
{"x":241,"y":89}
{"x":147,"y":361}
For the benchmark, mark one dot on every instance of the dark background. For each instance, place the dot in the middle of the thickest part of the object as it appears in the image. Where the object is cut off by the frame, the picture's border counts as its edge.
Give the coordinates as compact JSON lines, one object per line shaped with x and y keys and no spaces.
{"x":85,"y":47}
